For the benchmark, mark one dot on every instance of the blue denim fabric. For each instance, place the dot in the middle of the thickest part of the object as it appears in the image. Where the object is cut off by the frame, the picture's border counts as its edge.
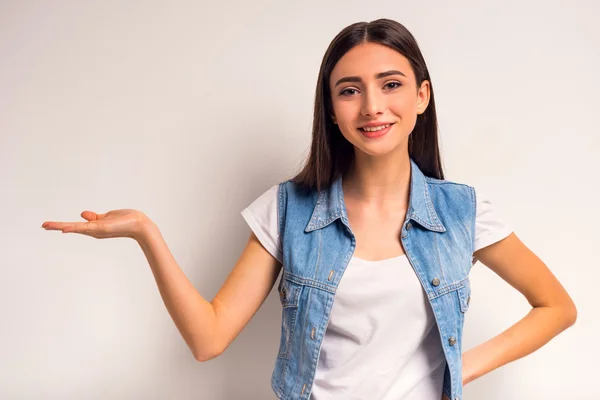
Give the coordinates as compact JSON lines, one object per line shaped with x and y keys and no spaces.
{"x":317,"y":244}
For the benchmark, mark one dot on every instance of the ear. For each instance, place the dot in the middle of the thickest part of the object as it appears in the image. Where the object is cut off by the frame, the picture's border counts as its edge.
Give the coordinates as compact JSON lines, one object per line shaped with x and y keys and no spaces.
{"x":333,"y":119}
{"x":423,"y":97}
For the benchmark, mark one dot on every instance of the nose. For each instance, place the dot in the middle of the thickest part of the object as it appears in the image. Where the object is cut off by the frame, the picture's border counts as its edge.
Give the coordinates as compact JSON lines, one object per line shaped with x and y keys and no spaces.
{"x":373,"y":103}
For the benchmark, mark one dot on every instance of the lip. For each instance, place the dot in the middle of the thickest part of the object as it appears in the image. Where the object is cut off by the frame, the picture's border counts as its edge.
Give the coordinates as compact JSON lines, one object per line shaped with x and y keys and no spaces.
{"x":375,"y":124}
{"x":376,"y":134}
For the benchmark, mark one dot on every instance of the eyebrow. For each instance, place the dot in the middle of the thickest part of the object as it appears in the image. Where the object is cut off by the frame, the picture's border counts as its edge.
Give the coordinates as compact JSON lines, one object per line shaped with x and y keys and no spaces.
{"x":377,"y":76}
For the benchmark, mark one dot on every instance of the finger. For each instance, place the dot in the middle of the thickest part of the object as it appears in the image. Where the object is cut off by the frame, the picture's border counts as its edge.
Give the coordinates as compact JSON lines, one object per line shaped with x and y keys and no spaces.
{"x":52,"y":225}
{"x":79,"y":227}
{"x":61,"y":226}
{"x":90,"y":215}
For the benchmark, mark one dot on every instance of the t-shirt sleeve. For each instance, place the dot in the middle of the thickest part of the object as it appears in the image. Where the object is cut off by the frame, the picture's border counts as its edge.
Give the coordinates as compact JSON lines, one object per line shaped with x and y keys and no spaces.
{"x":261,"y":217}
{"x":490,"y":225}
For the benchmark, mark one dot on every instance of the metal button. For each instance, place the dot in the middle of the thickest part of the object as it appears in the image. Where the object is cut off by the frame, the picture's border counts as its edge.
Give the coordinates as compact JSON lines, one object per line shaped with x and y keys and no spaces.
{"x":312,"y":333}
{"x":452,"y":341}
{"x":435,"y":282}
{"x":406,"y":229}
{"x":468,"y":299}
{"x":303,"y":387}
{"x":282,"y":293}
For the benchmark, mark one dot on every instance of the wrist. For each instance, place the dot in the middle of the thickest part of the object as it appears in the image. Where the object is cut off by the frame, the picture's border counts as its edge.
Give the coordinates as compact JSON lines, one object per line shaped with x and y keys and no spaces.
{"x":146,"y":229}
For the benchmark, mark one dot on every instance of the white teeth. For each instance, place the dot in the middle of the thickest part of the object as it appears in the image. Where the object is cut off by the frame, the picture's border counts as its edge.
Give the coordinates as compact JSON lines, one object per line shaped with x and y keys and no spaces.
{"x":375,"y":129}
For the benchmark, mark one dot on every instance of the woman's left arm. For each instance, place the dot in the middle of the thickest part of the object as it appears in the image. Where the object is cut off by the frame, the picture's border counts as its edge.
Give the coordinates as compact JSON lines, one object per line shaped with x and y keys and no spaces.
{"x":553,"y":309}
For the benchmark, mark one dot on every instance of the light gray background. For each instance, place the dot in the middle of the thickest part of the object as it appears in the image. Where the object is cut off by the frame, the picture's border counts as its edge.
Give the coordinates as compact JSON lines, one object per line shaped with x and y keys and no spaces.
{"x":190,"y":110}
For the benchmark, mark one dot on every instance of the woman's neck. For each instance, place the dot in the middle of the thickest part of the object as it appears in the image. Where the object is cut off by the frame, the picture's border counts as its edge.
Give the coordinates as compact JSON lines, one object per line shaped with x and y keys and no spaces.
{"x":382,"y":182}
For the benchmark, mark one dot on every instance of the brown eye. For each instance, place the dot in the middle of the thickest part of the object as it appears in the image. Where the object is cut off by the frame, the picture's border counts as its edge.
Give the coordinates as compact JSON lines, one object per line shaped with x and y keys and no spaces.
{"x":398,"y":84}
{"x":345,"y":92}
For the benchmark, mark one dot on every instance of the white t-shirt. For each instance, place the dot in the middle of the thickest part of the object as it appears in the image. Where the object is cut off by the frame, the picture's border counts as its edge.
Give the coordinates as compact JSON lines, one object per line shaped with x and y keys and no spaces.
{"x":382,"y":341}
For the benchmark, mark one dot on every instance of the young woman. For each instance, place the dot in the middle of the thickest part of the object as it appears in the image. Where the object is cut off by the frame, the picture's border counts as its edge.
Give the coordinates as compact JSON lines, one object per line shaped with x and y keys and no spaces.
{"x":375,"y":246}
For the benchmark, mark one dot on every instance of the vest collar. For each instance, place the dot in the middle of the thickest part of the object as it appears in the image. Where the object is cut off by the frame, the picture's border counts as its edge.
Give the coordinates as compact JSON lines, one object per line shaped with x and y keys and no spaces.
{"x":330,"y":204}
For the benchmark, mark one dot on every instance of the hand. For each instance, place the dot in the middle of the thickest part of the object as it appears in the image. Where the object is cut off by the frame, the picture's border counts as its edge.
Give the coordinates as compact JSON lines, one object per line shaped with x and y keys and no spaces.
{"x":444,"y":397}
{"x":116,"y":223}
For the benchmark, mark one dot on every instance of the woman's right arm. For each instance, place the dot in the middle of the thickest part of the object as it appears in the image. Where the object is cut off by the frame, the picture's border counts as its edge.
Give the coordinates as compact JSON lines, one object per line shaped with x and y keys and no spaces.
{"x":208,"y":328}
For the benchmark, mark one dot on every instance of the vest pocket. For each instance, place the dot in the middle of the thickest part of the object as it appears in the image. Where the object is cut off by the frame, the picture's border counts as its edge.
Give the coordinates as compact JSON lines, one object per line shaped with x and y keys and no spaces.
{"x":289,"y":295}
{"x":464,"y":295}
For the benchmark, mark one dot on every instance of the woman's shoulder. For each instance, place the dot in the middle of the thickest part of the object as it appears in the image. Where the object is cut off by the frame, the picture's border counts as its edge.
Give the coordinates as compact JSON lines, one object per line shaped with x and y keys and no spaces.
{"x":452,"y":189}
{"x":292,"y":187}
{"x":447,"y":183}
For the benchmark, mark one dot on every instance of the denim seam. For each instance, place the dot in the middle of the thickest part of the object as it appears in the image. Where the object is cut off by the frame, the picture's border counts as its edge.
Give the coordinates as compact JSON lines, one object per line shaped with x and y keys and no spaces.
{"x":278,"y":391}
{"x":294,"y":306}
{"x":280,"y":210}
{"x":320,"y":242}
{"x":439,"y":258}
{"x":451,"y":287}
{"x":473,"y":223}
{"x":310,"y":282}
{"x":302,"y":341}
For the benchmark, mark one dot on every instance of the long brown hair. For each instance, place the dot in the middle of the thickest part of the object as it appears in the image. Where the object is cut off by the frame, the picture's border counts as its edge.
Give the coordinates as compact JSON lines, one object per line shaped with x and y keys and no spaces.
{"x":330,"y":153}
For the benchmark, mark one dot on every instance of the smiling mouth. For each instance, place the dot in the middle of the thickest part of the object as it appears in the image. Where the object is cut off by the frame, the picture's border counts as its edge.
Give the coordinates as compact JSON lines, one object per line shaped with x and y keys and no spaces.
{"x":376,"y":128}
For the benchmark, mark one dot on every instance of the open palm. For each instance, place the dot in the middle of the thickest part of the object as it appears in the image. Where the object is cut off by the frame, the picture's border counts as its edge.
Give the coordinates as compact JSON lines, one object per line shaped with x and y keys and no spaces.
{"x":116,"y":223}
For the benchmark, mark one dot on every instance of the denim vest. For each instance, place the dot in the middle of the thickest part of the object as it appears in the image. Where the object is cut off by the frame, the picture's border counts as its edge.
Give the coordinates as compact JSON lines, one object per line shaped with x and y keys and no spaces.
{"x":317,"y":243}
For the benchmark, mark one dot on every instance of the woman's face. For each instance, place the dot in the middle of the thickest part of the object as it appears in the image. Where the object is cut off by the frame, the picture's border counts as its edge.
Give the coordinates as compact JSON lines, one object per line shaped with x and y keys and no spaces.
{"x":361,"y":97}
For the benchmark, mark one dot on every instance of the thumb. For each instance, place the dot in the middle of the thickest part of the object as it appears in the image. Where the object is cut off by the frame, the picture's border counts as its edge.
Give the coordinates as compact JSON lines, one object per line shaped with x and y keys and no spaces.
{"x":90,"y":215}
